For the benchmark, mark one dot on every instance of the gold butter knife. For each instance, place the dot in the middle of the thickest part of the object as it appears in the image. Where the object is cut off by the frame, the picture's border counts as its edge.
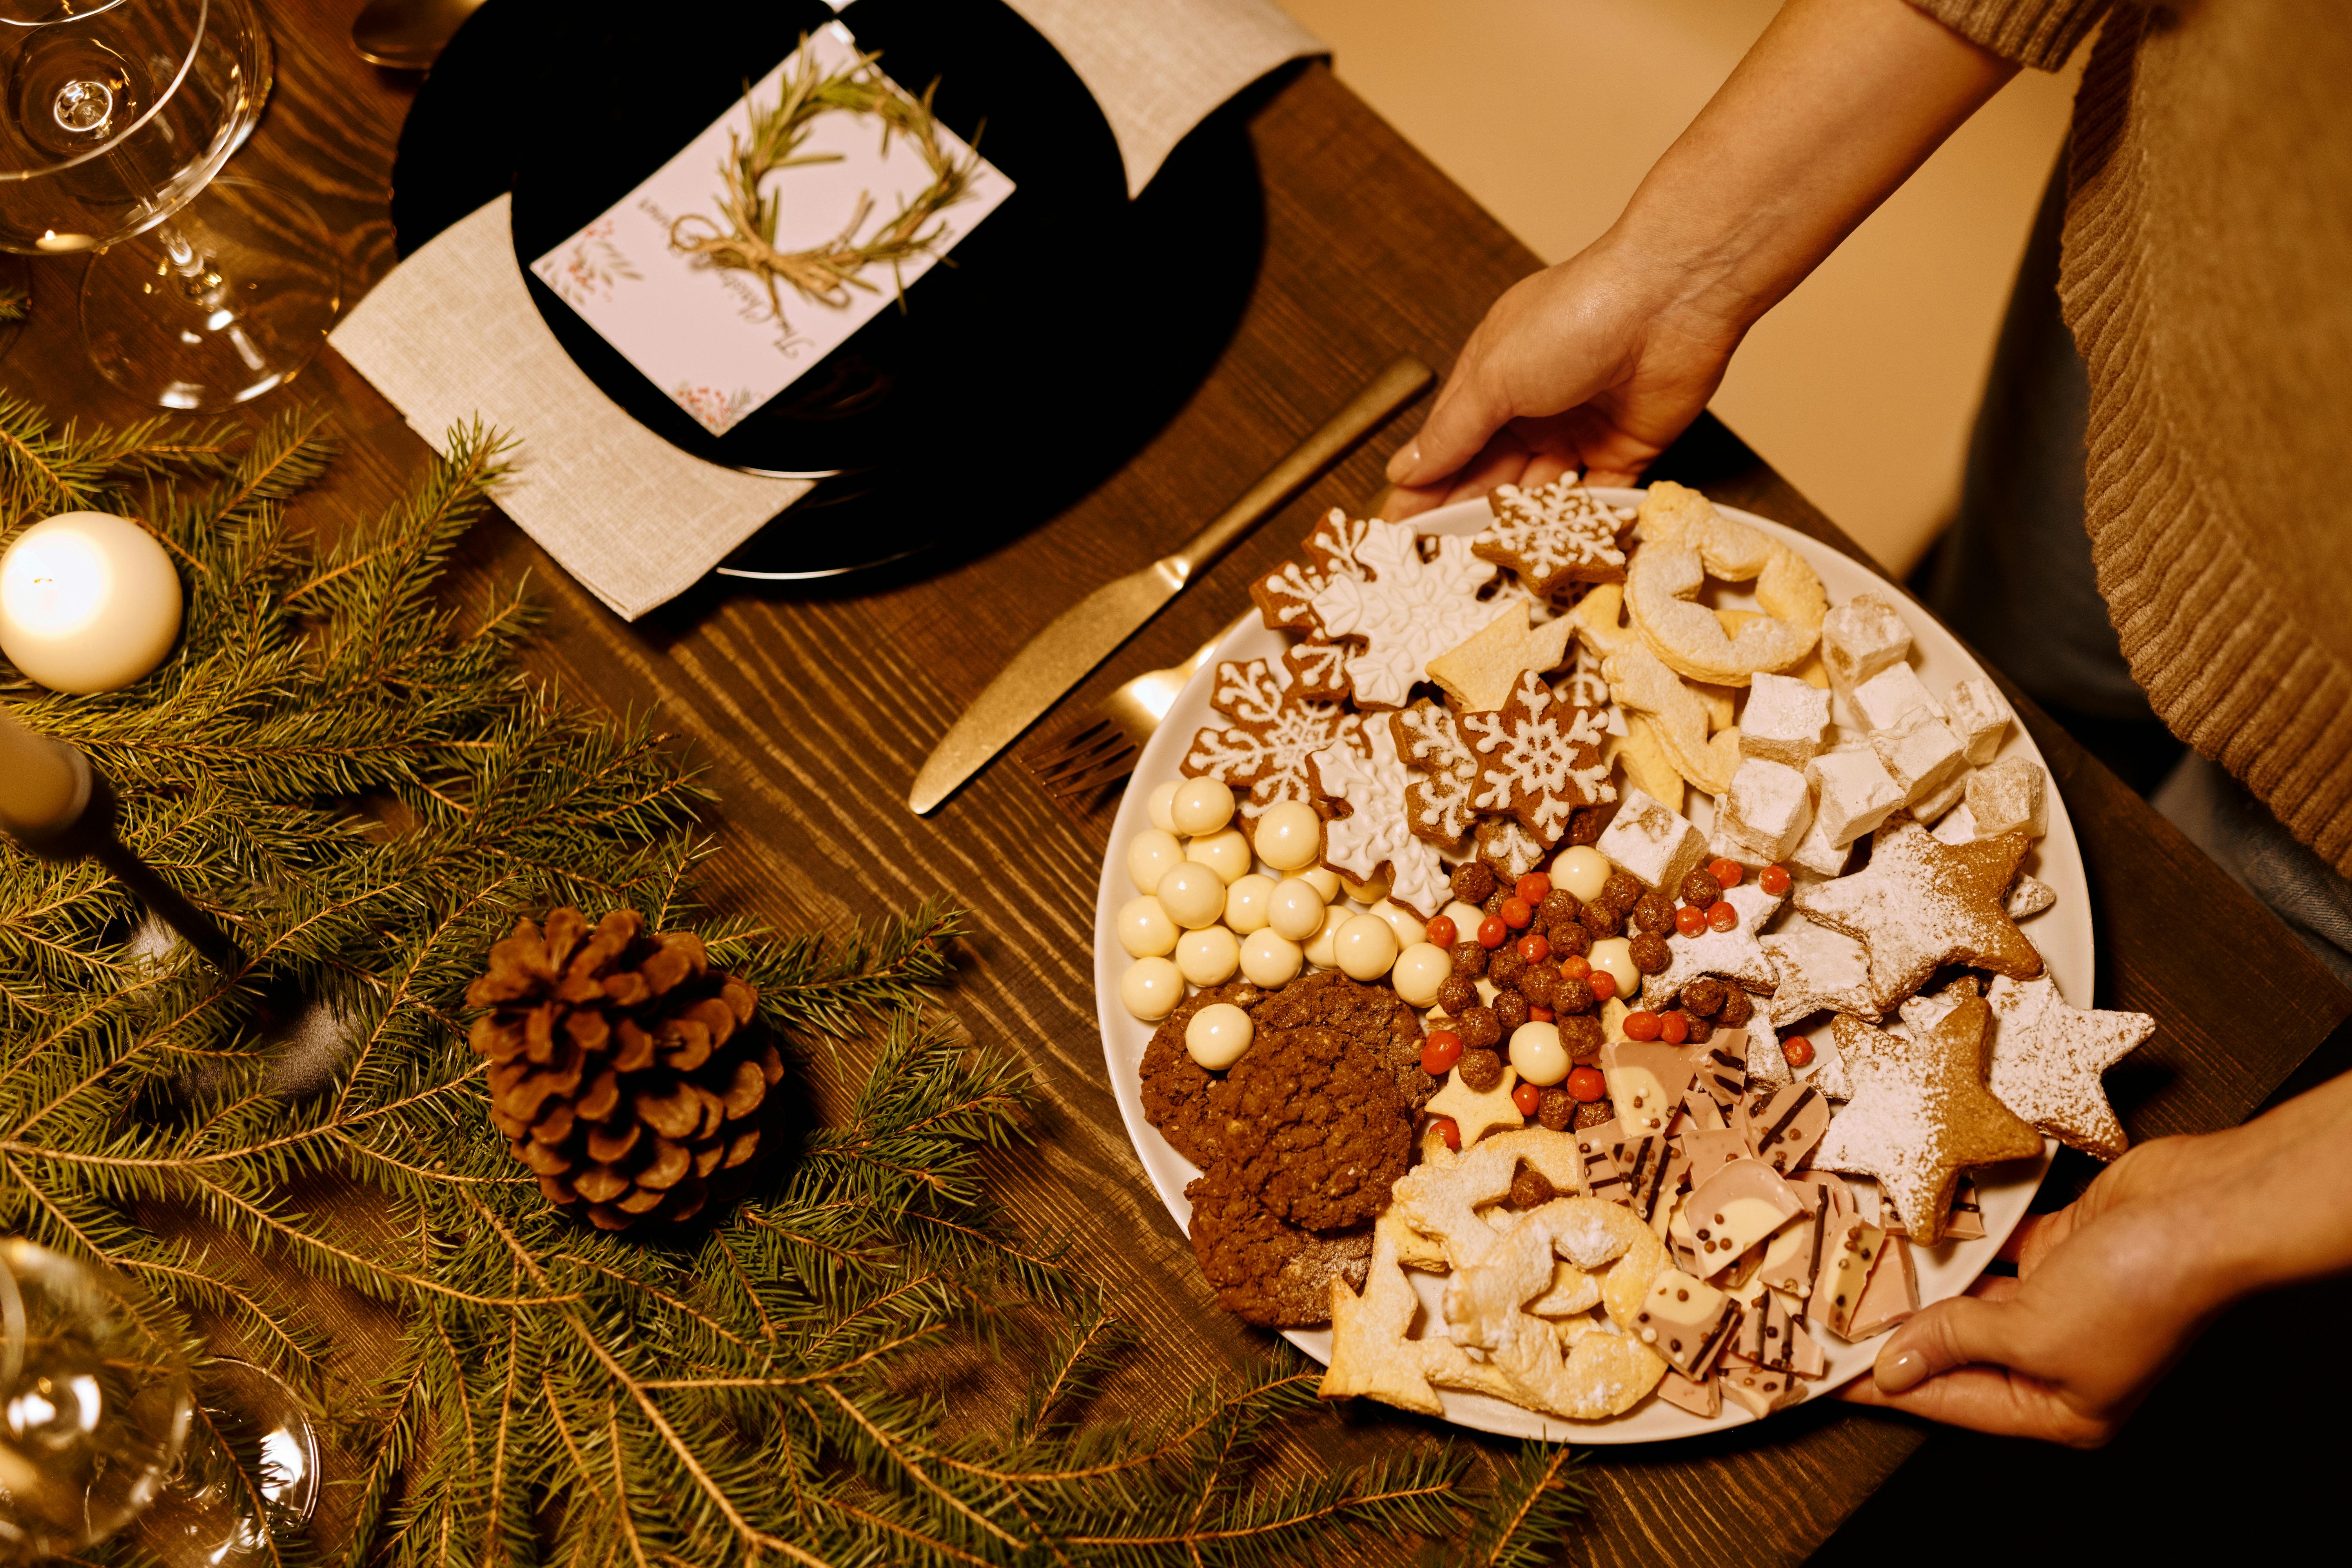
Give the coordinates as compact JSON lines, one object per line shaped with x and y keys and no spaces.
{"x":1091,"y":630}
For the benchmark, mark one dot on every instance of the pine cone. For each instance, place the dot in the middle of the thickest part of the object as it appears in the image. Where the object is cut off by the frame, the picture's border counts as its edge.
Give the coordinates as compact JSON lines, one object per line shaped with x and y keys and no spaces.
{"x":624,"y":1070}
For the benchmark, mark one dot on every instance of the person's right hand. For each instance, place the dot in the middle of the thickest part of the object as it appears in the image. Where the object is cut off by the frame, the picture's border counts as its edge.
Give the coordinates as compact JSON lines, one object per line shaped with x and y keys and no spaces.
{"x":1593,"y":364}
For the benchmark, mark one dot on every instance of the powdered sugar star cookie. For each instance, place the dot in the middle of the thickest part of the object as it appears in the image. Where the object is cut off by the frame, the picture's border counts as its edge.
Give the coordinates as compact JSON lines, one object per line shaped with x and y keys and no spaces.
{"x":1407,"y":611}
{"x":1553,"y":536}
{"x":2047,"y":1057}
{"x":1377,"y":831}
{"x":1921,"y":903}
{"x":1285,"y":596}
{"x":1921,"y":1115}
{"x":1816,"y":968}
{"x":1438,"y":802}
{"x":1273,"y":731}
{"x":1539,"y":759}
{"x":1735,"y":954}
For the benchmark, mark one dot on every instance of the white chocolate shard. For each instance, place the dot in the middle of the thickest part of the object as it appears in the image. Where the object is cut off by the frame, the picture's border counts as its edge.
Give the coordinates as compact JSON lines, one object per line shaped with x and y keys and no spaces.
{"x":1893,"y":695}
{"x":2010,"y":796}
{"x":1767,"y":808}
{"x":1736,"y":1208}
{"x":1792,"y":1256}
{"x":1849,"y":1248}
{"x":1862,"y":636}
{"x":1784,"y":1128}
{"x":1892,"y":1295}
{"x":1646,"y":1084}
{"x":1685,"y":1319}
{"x":1980,"y":715}
{"x":1787,"y":720}
{"x":1852,"y":794}
{"x":1657,"y":845}
{"x":1703,"y":1399}
{"x":1921,"y":754}
{"x":1761,"y":1390}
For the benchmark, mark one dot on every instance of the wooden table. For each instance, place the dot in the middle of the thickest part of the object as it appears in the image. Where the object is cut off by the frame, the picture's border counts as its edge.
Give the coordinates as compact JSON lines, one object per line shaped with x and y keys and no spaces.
{"x":814,"y":710}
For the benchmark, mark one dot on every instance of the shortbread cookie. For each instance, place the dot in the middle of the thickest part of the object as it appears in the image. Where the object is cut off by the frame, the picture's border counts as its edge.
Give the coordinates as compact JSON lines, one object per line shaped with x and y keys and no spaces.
{"x":1641,"y":683}
{"x":2047,"y":1057}
{"x":1371,"y":1357}
{"x":1374,"y":840}
{"x":1921,"y":903}
{"x":1265,"y":1269}
{"x":1683,"y":541}
{"x":1539,"y":759}
{"x":1659,"y":846}
{"x":1476,"y":1113}
{"x":1483,"y":671}
{"x":1643,"y":757}
{"x":1405,"y":612}
{"x":1271,"y":729}
{"x":1554,"y":536}
{"x":1437,"y":803}
{"x":1737,"y":955}
{"x":1285,"y":596}
{"x":1921,"y":1115}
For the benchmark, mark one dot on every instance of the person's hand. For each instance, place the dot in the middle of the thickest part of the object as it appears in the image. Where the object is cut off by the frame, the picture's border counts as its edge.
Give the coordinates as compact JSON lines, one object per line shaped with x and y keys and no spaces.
{"x":1591,"y":364}
{"x":2108,"y":1293}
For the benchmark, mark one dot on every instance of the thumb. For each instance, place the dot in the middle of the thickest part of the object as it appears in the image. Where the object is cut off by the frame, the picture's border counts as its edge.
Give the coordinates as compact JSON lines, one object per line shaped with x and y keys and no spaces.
{"x":1948,"y":1334}
{"x":1468,"y":414}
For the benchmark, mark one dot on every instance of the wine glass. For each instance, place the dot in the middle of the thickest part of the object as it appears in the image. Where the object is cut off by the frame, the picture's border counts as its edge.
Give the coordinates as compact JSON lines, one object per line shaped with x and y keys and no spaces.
{"x":115,"y":116}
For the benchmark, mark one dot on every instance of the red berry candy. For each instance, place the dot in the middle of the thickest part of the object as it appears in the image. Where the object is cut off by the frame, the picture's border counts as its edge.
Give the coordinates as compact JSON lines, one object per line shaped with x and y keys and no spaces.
{"x":1532,"y":888}
{"x":1723,"y":917}
{"x":1534,"y":947}
{"x":1799,"y":1051}
{"x":1575,"y":968}
{"x":1587,"y":1085}
{"x":1603,"y":983}
{"x":1440,"y":1052}
{"x":1641,"y":1025}
{"x":1493,"y":932}
{"x":1673,"y":1028}
{"x":1726,"y":872}
{"x":1527,"y":1097}
{"x":1773,"y":879}
{"x":1443,"y":1126}
{"x":1441,"y":932}
{"x":1518,"y":912}
{"x":1690,"y":919}
{"x":1540,"y":1015}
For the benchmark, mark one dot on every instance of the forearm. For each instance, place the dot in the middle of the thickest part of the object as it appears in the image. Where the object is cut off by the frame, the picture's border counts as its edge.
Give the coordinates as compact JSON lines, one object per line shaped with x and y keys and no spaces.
{"x":2280,"y":1208}
{"x":1836,"y":106}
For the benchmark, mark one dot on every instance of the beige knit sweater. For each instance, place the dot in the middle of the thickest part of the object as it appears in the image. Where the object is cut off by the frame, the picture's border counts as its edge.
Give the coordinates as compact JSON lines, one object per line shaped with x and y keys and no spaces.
{"x":2206,"y":275}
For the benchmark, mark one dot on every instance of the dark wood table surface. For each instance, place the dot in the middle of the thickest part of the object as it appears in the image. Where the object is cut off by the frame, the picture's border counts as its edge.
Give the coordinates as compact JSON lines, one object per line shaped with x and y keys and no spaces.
{"x":814,"y":710}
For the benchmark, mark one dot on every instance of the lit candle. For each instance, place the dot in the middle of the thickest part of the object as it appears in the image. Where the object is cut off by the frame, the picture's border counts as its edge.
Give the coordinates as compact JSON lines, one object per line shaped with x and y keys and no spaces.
{"x":89,"y":602}
{"x":43,"y":785}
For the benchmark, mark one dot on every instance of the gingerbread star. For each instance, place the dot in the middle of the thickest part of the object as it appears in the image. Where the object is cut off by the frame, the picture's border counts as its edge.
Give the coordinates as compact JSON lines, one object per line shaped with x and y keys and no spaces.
{"x":1438,"y":800}
{"x":1406,"y":612}
{"x":1274,"y":729}
{"x":1285,"y":596}
{"x":1553,"y":536}
{"x":1735,"y":954}
{"x":1921,"y":1115}
{"x":1480,"y":673}
{"x":1921,"y":903}
{"x":1375,"y":839}
{"x":1539,"y":759}
{"x":2047,"y":1057}
{"x":1815,"y":968}
{"x":1475,"y":1115}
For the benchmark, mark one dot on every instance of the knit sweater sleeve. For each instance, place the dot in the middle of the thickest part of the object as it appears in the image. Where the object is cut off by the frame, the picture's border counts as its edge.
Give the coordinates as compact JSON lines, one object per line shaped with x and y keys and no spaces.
{"x":2036,"y":33}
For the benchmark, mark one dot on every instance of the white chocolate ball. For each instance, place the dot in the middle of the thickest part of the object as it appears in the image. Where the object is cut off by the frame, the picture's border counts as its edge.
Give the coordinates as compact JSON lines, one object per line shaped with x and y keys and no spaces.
{"x":1208,"y":956}
{"x":1321,"y":950}
{"x":1295,"y":910}
{"x":1582,"y":870}
{"x":1227,"y":853}
{"x":1403,"y":921}
{"x":1156,"y":805}
{"x":1217,"y":1036}
{"x":1193,"y":895}
{"x":1614,"y":956}
{"x":1145,"y":930}
{"x":1370,"y":892}
{"x":1201,"y":806}
{"x":1537,"y":1052}
{"x":1269,"y":958}
{"x":1322,"y":878}
{"x":1248,"y":902}
{"x":1365,"y":947}
{"x":1150,"y":988}
{"x":1150,"y":853}
{"x":1466,"y":918}
{"x":1289,"y":835}
{"x":1420,"y":970}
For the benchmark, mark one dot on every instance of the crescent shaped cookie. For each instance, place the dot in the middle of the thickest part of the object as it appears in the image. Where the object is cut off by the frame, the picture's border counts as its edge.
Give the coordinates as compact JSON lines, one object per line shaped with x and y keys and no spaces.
{"x":1642,"y":683}
{"x":1685,"y":539}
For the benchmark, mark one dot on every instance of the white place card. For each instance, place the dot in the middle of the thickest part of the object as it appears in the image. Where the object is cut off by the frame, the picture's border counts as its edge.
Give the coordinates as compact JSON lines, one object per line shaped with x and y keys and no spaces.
{"x":707,"y":335}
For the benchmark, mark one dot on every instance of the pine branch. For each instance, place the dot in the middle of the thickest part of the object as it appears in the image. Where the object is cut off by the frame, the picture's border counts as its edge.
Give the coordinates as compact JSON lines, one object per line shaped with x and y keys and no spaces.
{"x":1538,"y":1495}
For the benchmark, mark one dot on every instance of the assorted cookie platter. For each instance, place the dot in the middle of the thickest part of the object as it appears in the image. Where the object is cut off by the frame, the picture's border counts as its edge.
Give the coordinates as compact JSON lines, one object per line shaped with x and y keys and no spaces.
{"x":1483,"y":1160}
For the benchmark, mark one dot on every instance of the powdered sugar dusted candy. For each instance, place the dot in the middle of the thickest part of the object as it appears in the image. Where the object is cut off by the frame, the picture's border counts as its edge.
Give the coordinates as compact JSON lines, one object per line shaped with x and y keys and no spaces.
{"x":2030,"y":896}
{"x":1862,"y":636}
{"x":1980,"y":715}
{"x":1786,"y":721}
{"x":1553,"y":536}
{"x":1852,"y":794}
{"x":2047,"y":1059}
{"x":1767,"y":808}
{"x":1921,"y":754}
{"x":1814,"y":853}
{"x":2008,"y":798}
{"x":1938,"y":803}
{"x":1375,"y":837}
{"x":1657,"y":845}
{"x":1891,"y":696}
{"x":1406,"y":612}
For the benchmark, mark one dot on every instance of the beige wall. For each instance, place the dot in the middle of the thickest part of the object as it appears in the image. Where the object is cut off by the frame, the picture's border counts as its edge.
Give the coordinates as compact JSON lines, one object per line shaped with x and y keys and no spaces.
{"x":1861,"y":386}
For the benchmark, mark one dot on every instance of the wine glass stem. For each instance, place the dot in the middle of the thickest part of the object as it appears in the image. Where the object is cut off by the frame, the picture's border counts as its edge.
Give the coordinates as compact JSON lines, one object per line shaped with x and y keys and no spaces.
{"x":191,"y":267}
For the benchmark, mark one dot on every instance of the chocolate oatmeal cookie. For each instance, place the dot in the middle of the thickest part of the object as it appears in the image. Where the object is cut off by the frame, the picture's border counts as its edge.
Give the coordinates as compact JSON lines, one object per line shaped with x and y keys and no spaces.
{"x":1314,"y":1125}
{"x":1176,"y":1088}
{"x":1265,"y":1269}
{"x":1372,"y":1018}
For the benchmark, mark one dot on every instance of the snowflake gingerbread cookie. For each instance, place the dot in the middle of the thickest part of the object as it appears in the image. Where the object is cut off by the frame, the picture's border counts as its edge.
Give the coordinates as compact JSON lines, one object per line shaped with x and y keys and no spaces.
{"x":1406,"y":612}
{"x":1437,"y":803}
{"x":1376,"y":836}
{"x":1285,"y":596}
{"x":1554,"y":536}
{"x":1539,"y":759}
{"x":1272,"y":729}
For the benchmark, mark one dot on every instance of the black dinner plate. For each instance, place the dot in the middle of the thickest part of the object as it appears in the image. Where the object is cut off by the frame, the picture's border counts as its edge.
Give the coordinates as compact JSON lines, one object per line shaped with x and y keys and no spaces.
{"x":1068,"y":325}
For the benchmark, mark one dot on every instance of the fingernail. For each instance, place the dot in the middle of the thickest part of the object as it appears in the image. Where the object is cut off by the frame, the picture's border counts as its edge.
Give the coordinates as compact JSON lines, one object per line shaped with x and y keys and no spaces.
{"x":1407,"y":459}
{"x":1899,"y":1370}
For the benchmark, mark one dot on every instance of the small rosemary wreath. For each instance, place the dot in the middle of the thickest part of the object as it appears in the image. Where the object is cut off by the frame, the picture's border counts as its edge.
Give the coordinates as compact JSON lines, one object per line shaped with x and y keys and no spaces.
{"x":747,"y":241}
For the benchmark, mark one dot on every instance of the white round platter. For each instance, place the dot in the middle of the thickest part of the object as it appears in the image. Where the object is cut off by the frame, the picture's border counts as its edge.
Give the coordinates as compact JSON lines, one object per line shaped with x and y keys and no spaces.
{"x":2063,"y":934}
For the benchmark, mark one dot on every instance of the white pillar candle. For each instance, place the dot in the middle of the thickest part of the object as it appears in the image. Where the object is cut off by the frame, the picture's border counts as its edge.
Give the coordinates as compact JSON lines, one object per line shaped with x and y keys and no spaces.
{"x":89,"y":602}
{"x":42,"y":792}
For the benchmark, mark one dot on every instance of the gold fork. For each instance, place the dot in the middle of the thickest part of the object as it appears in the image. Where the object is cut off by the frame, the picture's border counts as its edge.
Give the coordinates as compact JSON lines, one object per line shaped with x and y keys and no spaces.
{"x":1102,"y":746}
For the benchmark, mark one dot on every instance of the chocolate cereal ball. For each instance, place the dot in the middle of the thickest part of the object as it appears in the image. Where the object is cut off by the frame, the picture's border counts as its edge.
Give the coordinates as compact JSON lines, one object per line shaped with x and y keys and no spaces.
{"x":1567,"y":937}
{"x":1570,"y":994}
{"x":1704,"y":997}
{"x":1469,"y":959}
{"x":1621,"y":892}
{"x":1473,"y":882}
{"x":1481,"y":1069}
{"x":1651,"y":954}
{"x":1506,"y":967}
{"x":1478,"y":1027}
{"x":1582,"y":1037}
{"x":1556,"y":1109}
{"x":1654,"y":912}
{"x":1701,"y":1030}
{"x":1600,"y":920}
{"x":1700,"y":890}
{"x":1457,"y":995}
{"x":1593,"y":1115}
{"x":1530,"y":1188}
{"x":1737,"y":1009}
{"x":1537,"y":984}
{"x":1510,"y":1010}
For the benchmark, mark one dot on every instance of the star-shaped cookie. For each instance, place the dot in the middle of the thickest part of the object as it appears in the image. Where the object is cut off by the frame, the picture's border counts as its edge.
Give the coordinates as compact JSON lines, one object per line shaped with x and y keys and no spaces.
{"x":1539,"y":759}
{"x":1735,"y":954}
{"x":1921,"y":903}
{"x":1553,"y":536}
{"x":1815,"y":968}
{"x":1481,"y":672}
{"x":1437,"y":801}
{"x":1921,"y":1115}
{"x":2047,"y":1057}
{"x":1476,"y":1114}
{"x":1375,"y":840}
{"x":1272,"y":731}
{"x":1406,"y":612}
